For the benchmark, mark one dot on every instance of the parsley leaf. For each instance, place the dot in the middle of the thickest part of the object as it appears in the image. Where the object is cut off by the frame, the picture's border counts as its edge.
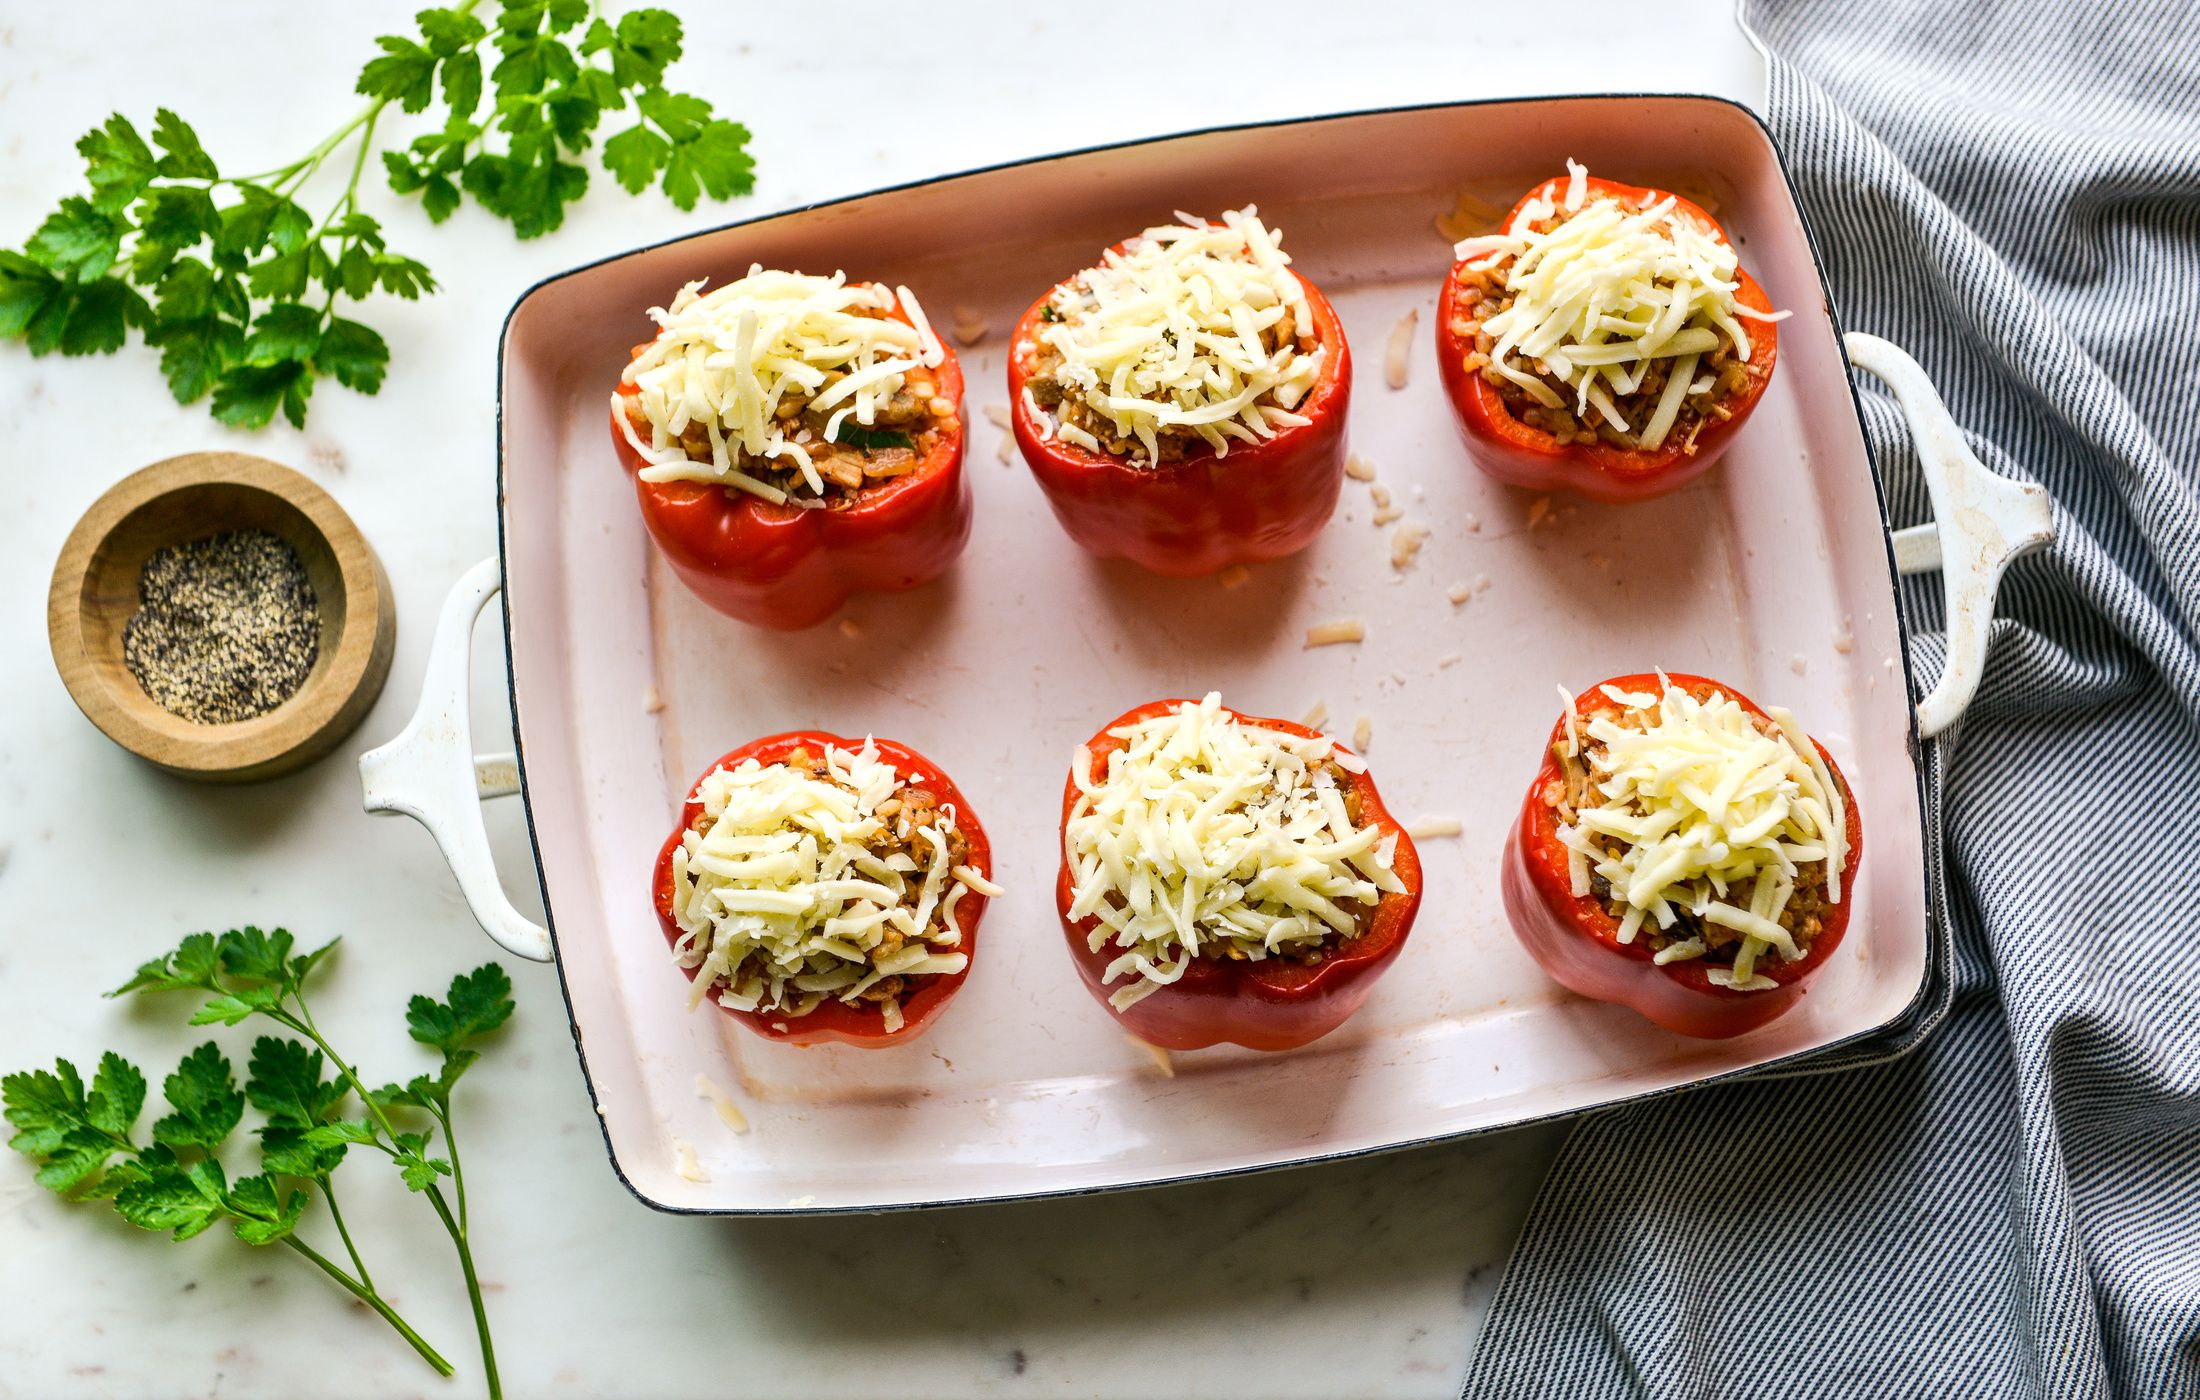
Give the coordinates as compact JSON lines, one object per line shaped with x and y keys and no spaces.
{"x":520,"y":102}
{"x":480,"y":1002}
{"x":183,"y":158}
{"x":82,"y":1139}
{"x":287,"y":1086}
{"x":203,"y":1093}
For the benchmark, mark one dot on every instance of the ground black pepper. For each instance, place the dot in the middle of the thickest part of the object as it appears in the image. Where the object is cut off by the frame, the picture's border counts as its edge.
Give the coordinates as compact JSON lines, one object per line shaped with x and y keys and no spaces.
{"x":227,"y":629}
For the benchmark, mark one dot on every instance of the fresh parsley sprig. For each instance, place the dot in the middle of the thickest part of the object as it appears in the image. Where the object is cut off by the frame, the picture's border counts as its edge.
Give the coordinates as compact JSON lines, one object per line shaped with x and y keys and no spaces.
{"x":85,"y":1139}
{"x":238,"y":284}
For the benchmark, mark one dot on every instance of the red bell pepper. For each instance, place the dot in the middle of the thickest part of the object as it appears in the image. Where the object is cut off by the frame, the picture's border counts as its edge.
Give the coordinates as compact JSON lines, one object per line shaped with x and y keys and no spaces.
{"x":862,"y":1024}
{"x":1521,"y":455}
{"x":1576,"y":938}
{"x":1191,"y":517}
{"x":787,"y":567}
{"x":1272,"y":1004}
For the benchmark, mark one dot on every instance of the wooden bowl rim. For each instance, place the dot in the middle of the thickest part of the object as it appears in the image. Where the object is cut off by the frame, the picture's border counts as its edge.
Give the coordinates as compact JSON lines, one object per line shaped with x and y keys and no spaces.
{"x":216,"y":750}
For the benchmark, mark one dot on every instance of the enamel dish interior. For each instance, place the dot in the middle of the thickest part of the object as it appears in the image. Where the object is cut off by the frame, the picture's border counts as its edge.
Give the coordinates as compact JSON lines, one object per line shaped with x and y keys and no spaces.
{"x":1772,"y":573}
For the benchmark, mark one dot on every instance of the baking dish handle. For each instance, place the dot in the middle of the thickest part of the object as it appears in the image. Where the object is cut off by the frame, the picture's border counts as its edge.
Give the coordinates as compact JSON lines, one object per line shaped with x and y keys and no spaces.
{"x":1981,"y":521}
{"x":431,"y":773}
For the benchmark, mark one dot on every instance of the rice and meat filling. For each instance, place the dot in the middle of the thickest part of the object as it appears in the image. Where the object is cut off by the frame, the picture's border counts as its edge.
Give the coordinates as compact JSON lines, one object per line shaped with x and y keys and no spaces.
{"x":1192,"y":337}
{"x":1208,"y":835}
{"x":1173,"y":442}
{"x":1719,"y":378}
{"x":798,"y":389}
{"x":1614,"y":318}
{"x":1359,"y":907}
{"x":904,"y":429}
{"x":876,"y":868}
{"x":1802,"y":917}
{"x":1706,"y":830}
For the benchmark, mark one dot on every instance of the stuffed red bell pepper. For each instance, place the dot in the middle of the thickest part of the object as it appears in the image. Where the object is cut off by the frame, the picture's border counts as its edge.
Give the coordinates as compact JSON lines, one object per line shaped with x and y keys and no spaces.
{"x":1684,"y":853}
{"x":1182,"y":404}
{"x":1229,"y":878}
{"x":825,"y":889}
{"x":1606,"y":341}
{"x":795,"y":439}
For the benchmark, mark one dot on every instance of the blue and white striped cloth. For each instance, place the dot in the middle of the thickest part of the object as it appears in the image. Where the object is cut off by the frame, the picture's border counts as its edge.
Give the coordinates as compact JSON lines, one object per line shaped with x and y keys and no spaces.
{"x":2011,"y":191}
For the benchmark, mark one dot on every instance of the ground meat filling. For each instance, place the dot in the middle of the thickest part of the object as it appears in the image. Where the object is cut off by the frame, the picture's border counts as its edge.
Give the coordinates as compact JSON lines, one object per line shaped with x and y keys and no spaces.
{"x":904,"y":431}
{"x":1803,"y":917}
{"x":910,"y":808}
{"x":1721,"y":374}
{"x":1176,"y":441}
{"x":1363,"y":911}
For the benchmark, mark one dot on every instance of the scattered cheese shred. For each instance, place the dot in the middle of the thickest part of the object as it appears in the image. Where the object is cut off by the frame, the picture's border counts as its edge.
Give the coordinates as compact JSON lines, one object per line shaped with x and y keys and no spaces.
{"x":970,"y":326}
{"x":1700,"y":802}
{"x":1434,"y":828}
{"x":685,"y":1163}
{"x":729,"y":359}
{"x":1406,"y":544}
{"x":1537,"y":509}
{"x":998,"y":415}
{"x":1167,"y":333}
{"x":849,"y":627}
{"x":1607,"y":292}
{"x":1209,"y":833}
{"x":781,"y":902}
{"x":1458,"y":593}
{"x":1363,"y":729}
{"x":1397,"y":360}
{"x":1158,"y":1055}
{"x":1342,"y":630}
{"x":1359,"y":468}
{"x":729,"y":1112}
{"x":1317,"y":715}
{"x":653,"y":701}
{"x":1234,"y":576}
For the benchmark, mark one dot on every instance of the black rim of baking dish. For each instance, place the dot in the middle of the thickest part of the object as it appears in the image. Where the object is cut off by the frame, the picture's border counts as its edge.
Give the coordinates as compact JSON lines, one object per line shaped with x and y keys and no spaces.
{"x":1904,"y":1029}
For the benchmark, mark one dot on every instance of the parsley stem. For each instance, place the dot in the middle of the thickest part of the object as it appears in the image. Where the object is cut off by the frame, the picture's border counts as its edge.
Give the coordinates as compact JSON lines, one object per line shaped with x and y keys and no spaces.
{"x":374,"y":1300}
{"x":328,"y":1193}
{"x":458,"y":1170}
{"x":303,"y":1023}
{"x":473,"y":1290}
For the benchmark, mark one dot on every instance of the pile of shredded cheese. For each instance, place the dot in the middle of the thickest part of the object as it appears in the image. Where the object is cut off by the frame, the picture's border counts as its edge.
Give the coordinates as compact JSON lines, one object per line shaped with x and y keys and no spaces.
{"x":1210,"y":836}
{"x":1701,"y":801}
{"x":1167,"y":332}
{"x":781,"y":902}
{"x":729,"y":359}
{"x":1604,"y":294}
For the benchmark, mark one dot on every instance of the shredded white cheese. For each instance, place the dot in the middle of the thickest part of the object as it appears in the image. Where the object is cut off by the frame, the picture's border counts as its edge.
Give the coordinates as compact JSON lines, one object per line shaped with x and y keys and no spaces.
{"x":729,"y":359}
{"x":729,"y":1112}
{"x":1209,"y":833}
{"x":1703,"y":804}
{"x":1406,"y":544}
{"x":782,"y":902}
{"x":1167,"y":333}
{"x":1397,"y":361}
{"x":1434,"y":828}
{"x":1607,"y":292}
{"x":1341,"y":631}
{"x":685,"y":1163}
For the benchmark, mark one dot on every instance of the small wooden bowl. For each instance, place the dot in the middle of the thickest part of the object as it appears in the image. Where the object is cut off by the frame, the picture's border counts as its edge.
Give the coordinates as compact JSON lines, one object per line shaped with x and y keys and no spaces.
{"x":95,"y":594}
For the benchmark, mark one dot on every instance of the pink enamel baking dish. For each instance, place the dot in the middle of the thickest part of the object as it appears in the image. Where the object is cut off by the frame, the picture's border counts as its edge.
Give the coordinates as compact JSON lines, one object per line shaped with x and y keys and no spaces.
{"x":1777,"y":572}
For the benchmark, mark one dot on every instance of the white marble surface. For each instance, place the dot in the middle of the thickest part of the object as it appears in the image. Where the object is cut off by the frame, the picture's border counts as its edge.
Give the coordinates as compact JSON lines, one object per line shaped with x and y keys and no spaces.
{"x":1365,"y":1278}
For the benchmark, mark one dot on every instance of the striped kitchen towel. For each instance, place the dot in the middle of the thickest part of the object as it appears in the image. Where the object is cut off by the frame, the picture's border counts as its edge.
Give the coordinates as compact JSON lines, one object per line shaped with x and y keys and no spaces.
{"x":2011,"y":191}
